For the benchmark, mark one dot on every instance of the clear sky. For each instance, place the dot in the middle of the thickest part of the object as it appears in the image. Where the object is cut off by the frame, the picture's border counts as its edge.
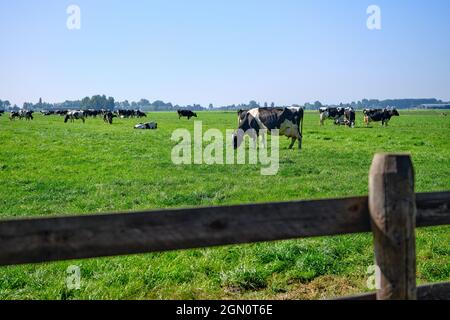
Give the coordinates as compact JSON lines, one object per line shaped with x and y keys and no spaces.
{"x":224,"y":52}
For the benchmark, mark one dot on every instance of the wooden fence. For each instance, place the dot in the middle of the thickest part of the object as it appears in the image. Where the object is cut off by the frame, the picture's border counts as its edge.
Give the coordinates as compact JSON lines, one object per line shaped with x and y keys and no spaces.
{"x":392,"y":211}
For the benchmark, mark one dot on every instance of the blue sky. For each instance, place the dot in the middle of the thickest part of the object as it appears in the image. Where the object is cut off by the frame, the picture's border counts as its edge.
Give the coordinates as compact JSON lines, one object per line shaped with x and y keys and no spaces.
{"x":224,"y":52}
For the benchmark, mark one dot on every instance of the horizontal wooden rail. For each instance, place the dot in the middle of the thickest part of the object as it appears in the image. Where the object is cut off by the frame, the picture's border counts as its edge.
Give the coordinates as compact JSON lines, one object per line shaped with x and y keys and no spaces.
{"x":435,"y":291}
{"x":34,"y":240}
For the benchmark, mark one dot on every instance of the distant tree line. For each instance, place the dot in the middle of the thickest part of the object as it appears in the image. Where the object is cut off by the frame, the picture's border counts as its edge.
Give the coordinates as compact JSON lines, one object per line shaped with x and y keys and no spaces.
{"x":109,"y":103}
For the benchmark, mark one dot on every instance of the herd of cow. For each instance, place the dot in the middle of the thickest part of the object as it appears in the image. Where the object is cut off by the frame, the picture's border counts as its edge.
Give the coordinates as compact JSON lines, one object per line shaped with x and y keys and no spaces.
{"x":347,"y":116}
{"x":289,"y":121}
{"x":255,"y":122}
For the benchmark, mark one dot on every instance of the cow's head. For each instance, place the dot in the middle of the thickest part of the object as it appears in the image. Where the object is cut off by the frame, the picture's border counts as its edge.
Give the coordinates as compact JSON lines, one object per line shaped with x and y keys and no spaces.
{"x":194,"y":114}
{"x":247,"y":125}
{"x":394,"y":112}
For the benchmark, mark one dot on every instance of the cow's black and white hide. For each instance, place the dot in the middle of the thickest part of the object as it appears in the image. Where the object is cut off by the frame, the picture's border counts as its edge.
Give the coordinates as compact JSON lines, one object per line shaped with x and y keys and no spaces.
{"x":337,"y":114}
{"x":13,"y":115}
{"x":108,"y":117}
{"x":74,"y":115}
{"x":349,"y":117}
{"x":148,"y":125}
{"x":377,"y":115}
{"x":255,"y":122}
{"x":140,"y":114}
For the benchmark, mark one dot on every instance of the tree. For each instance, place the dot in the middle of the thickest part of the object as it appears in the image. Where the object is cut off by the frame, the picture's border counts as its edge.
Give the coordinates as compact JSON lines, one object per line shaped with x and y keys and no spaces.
{"x":110,"y":103}
{"x":85,"y":102}
{"x":253,"y":104}
{"x":272,"y":105}
{"x":265,"y":105}
{"x":318,"y":105}
{"x":210,"y":107}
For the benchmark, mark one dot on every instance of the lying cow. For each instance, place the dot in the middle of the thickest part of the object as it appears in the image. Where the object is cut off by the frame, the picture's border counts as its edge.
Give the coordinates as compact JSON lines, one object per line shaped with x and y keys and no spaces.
{"x":148,"y":125}
{"x":337,"y":114}
{"x":289,"y":122}
{"x":376,"y":115}
{"x":74,"y":115}
{"x":186,"y":113}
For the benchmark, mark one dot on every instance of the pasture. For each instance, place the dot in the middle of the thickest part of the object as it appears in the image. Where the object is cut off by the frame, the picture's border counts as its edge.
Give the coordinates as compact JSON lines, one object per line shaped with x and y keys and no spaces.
{"x":48,"y":167}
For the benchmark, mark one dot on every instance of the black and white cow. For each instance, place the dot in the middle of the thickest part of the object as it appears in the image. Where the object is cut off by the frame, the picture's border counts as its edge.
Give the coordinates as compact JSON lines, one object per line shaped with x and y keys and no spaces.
{"x":145,"y":126}
{"x":108,"y":117}
{"x":186,"y":113}
{"x":13,"y":115}
{"x":289,"y":122}
{"x":376,"y":115}
{"x":47,"y":112}
{"x":74,"y":115}
{"x":337,"y":114}
{"x":140,"y":114}
{"x":27,"y":114}
{"x":349,"y":117}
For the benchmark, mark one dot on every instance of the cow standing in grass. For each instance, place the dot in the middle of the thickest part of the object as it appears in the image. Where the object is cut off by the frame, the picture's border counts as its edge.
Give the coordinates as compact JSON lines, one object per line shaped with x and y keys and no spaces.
{"x":108,"y":117}
{"x":74,"y":115}
{"x":186,"y":113}
{"x":28,"y":115}
{"x":349,"y":117}
{"x":337,"y":114}
{"x":13,"y":115}
{"x":376,"y":115}
{"x":289,"y":122}
{"x":140,"y":114}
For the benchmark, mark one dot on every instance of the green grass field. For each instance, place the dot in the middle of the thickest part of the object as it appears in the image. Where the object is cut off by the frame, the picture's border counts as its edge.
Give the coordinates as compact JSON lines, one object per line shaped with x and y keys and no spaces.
{"x":48,"y":167}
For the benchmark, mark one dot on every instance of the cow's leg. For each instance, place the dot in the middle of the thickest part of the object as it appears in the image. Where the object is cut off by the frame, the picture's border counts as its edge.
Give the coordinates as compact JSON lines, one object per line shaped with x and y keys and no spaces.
{"x":292,"y":143}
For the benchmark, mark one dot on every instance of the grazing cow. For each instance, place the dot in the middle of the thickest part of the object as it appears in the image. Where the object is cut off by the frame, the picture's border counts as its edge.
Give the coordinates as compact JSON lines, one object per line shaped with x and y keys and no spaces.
{"x":74,"y":115}
{"x":241,"y":115}
{"x":376,"y":115}
{"x":140,"y":114}
{"x":108,"y":117}
{"x":126,"y":113}
{"x":289,"y":122}
{"x":91,"y":113}
{"x":47,"y":112}
{"x":186,"y":113}
{"x":336,"y":114}
{"x":28,"y":115}
{"x":148,"y":125}
{"x":13,"y":115}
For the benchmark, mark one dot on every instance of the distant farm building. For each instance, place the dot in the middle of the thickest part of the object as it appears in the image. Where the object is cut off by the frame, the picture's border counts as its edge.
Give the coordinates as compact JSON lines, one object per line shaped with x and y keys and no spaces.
{"x":434,"y":106}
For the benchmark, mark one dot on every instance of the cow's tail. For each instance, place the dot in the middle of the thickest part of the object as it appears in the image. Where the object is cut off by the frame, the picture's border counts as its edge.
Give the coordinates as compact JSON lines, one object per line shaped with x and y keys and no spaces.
{"x":300,"y":139}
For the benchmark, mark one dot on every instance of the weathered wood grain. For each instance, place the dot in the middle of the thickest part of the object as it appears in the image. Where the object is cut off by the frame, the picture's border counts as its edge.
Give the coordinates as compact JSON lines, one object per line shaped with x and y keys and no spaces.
{"x":33,"y":240}
{"x":392,"y":206}
{"x":47,"y":239}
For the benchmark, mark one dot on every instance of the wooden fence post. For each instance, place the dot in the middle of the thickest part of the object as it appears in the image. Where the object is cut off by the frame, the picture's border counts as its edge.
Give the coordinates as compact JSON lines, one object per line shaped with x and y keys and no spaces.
{"x":392,"y":207}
